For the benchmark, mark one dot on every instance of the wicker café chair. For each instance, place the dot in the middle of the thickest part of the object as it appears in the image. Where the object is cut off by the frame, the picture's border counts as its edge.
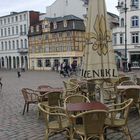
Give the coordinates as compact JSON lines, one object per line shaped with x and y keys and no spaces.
{"x":118,"y":116}
{"x":77,"y":98}
{"x":128,"y":82}
{"x":133,"y":93}
{"x":138,"y":81}
{"x":124,"y":78}
{"x":92,"y":124}
{"x":70,"y":88}
{"x":56,"y":120}
{"x":30,"y":97}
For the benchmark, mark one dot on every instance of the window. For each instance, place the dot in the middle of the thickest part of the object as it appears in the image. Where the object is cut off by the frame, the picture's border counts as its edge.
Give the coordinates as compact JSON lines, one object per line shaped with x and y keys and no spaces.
{"x":13,"y":31}
{"x":24,"y":16}
{"x":24,"y":28}
{"x":17,"y":42}
{"x":5,"y":32}
{"x":20,"y":29}
{"x":114,"y":39}
{"x":13,"y":45}
{"x":16,"y":29}
{"x":55,"y":25}
{"x":39,"y":63}
{"x":16,"y":18}
{"x":8,"y":20}
{"x":122,"y":22}
{"x":25,"y":42}
{"x":135,"y":21}
{"x":5,"y":21}
{"x":32,"y":29}
{"x":135,"y":37}
{"x":2,"y":46}
{"x":47,"y":63}
{"x":20,"y":17}
{"x":37,"y":28}
{"x":21,"y":41}
{"x":135,"y":4}
{"x":12,"y":19}
{"x":65,"y":23}
{"x":5,"y":45}
{"x":121,"y":39}
{"x":67,"y":3}
{"x":9,"y":45}
{"x":8,"y":31}
{"x":1,"y":32}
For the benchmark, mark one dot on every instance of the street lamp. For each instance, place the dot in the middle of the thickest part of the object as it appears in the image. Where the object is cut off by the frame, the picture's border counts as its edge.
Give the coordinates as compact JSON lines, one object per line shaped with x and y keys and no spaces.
{"x":124,"y":8}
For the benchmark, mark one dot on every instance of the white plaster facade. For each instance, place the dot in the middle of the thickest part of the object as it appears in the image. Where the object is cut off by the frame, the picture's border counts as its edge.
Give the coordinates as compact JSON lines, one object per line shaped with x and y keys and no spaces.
{"x":132,"y":30}
{"x":67,"y":7}
{"x":14,"y":40}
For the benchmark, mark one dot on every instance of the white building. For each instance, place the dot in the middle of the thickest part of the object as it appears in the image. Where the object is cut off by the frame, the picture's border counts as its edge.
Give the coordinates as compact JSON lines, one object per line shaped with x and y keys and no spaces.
{"x":131,"y":14}
{"x":61,"y":8}
{"x":14,"y":38}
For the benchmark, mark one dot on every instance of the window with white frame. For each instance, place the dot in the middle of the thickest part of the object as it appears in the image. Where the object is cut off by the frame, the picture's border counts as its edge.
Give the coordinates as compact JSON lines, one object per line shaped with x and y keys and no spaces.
{"x":2,"y":46}
{"x":13,"y":45}
{"x":37,"y":28}
{"x":21,"y":41}
{"x":39,"y":63}
{"x":134,"y":21}
{"x":135,"y":38}
{"x":54,"y":25}
{"x":8,"y":31}
{"x":5,"y":45}
{"x":9,"y":45}
{"x":1,"y":32}
{"x":135,"y":3}
{"x":32,"y":29}
{"x":5,"y":31}
{"x":47,"y":63}
{"x":122,"y":22}
{"x":13,"y":31}
{"x":16,"y":29}
{"x":65,"y":23}
{"x":17,"y":42}
{"x":25,"y":42}
{"x":121,"y":39}
{"x":114,"y":39}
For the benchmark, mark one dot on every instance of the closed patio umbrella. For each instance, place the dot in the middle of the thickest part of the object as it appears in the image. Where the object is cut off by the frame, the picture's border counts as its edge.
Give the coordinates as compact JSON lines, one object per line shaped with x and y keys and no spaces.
{"x":99,"y":58}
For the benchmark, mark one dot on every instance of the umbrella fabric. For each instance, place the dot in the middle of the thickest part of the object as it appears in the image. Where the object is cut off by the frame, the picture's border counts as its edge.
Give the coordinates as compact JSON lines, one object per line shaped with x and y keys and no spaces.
{"x":99,"y":57}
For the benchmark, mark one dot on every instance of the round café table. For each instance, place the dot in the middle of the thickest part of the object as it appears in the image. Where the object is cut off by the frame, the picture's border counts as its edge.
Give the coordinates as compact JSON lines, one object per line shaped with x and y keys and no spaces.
{"x":72,"y":107}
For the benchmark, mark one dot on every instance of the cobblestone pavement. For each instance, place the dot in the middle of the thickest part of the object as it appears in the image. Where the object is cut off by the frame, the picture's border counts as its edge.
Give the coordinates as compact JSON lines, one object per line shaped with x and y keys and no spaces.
{"x":15,"y":126}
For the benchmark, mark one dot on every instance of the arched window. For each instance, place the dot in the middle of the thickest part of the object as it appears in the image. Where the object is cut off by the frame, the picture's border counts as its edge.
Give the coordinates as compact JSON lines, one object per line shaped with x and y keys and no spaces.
{"x":21,"y":41}
{"x":122,"y":22}
{"x":25,"y":42}
{"x":134,"y":21}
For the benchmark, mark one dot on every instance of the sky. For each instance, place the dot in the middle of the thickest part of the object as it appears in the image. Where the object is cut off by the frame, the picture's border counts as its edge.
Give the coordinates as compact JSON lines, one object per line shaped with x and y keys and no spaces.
{"x":8,"y":6}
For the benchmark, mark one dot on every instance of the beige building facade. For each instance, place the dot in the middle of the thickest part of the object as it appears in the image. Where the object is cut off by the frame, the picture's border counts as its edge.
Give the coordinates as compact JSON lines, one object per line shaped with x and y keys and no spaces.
{"x":55,"y":40}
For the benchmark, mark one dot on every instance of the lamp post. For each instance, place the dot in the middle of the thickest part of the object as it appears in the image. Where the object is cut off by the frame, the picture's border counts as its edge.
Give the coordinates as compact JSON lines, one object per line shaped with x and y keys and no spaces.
{"x":124,"y":8}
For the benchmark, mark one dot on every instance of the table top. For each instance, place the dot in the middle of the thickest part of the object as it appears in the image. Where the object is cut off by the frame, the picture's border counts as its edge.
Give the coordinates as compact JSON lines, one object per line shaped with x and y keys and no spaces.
{"x":122,"y":87}
{"x":85,"y":106}
{"x":43,"y":90}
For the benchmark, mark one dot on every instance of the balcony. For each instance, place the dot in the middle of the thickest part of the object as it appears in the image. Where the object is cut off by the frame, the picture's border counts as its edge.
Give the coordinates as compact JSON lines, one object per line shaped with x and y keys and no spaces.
{"x":22,"y":50}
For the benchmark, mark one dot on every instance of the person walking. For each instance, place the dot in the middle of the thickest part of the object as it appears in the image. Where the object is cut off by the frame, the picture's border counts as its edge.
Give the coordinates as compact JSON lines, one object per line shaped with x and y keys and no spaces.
{"x":18,"y":73}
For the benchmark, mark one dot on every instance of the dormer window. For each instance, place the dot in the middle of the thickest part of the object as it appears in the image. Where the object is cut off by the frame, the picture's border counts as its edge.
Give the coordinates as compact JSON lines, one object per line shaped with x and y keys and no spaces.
{"x":55,"y":25}
{"x":65,"y":23}
{"x":32,"y":29}
{"x":37,"y":28}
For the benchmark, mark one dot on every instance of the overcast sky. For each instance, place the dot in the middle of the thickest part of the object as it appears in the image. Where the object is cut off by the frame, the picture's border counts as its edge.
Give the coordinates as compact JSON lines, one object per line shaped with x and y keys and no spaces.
{"x":8,"y":6}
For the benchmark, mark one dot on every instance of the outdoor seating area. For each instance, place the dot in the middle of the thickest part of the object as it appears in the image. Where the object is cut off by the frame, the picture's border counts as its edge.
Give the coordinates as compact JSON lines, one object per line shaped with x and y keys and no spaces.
{"x":67,"y":110}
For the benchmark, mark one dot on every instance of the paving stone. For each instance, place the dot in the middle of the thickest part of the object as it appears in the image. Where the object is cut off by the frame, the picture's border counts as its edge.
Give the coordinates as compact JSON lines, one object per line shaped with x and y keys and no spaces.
{"x":15,"y":126}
